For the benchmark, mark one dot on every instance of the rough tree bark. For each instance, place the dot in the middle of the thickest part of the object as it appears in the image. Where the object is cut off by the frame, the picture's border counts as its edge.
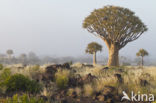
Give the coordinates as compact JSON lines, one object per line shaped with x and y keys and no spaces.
{"x":113,"y":59}
{"x":94,"y":58}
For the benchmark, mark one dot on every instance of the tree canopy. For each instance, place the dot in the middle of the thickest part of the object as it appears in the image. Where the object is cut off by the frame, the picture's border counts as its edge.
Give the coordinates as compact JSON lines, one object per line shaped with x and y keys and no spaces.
{"x":9,"y":51}
{"x":142,"y":53}
{"x":93,"y":47}
{"x":115,"y":25}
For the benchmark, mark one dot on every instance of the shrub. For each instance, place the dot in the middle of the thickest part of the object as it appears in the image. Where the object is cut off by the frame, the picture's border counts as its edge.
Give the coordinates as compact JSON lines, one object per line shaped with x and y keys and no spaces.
{"x":4,"y":76}
{"x":36,"y":67}
{"x":22,"y":99}
{"x":20,"y":83}
{"x":34,"y":87}
{"x":62,"y":78}
{"x":1,"y":66}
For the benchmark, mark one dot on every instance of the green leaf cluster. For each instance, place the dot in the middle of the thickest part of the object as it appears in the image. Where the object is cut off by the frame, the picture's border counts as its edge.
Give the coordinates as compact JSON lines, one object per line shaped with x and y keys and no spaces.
{"x":93,"y":47}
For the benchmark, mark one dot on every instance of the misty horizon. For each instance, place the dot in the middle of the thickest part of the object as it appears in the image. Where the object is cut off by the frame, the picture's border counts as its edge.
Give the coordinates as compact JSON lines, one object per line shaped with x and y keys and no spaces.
{"x":54,"y":28}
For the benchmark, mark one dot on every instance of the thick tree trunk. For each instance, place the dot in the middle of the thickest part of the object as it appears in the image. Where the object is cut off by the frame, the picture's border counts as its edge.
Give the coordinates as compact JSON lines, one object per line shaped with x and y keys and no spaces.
{"x":113,"y":59}
{"x":94,"y":58}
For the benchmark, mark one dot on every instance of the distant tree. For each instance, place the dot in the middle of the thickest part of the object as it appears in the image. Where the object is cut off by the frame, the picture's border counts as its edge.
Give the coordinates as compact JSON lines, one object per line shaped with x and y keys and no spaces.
{"x":142,"y":53}
{"x":33,"y":58}
{"x":23,"y":58}
{"x":116,"y":26}
{"x":9,"y":52}
{"x":93,"y":48}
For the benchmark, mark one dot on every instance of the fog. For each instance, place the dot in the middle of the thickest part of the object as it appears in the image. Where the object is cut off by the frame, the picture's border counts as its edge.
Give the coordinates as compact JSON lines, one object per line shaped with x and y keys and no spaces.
{"x":54,"y":27}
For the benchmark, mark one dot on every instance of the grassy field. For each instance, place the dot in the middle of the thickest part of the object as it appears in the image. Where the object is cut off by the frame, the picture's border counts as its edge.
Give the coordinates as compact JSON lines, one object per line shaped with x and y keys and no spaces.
{"x":78,"y":84}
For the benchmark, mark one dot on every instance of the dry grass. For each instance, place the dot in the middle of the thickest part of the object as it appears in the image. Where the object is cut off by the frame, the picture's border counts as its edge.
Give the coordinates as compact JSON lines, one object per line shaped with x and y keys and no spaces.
{"x":131,"y":77}
{"x":78,"y":91}
{"x":88,"y":90}
{"x":102,"y":82}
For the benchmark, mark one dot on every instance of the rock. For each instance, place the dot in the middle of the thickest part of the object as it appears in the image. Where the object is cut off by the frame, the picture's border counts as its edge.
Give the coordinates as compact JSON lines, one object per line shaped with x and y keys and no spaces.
{"x":50,"y":71}
{"x":107,"y":90}
{"x":89,"y":78}
{"x":66,"y":66}
{"x":74,"y":94}
{"x":87,"y":65}
{"x":144,"y":82}
{"x":105,"y":68}
{"x":119,"y":78}
{"x":121,"y":70}
{"x":52,"y":68}
{"x":105,"y":95}
{"x":76,"y":81}
{"x":38,"y":77}
{"x":73,"y":71}
{"x":100,"y":98}
{"x":63,"y":93}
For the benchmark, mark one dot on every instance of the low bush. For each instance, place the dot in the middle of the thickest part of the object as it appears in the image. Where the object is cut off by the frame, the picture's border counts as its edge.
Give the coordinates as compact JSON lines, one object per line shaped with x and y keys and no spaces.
{"x":4,"y":76}
{"x":62,"y":78}
{"x":20,"y":83}
{"x":1,"y":66}
{"x":22,"y":99}
{"x":35,"y":67}
{"x":34,"y":87}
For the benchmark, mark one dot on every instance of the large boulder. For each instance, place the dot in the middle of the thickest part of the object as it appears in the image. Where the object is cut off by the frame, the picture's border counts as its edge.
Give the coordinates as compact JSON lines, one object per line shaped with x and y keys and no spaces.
{"x":66,"y":66}
{"x":50,"y":71}
{"x":107,"y":95}
{"x":89,"y":78}
{"x":75,"y":81}
{"x":119,"y":78}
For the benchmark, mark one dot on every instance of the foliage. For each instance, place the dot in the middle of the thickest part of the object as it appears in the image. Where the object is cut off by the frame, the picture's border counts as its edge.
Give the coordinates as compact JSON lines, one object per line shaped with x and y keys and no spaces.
{"x":114,"y":24}
{"x":1,"y":66}
{"x":36,"y":67}
{"x":4,"y":76}
{"x":93,"y":47}
{"x":142,"y":53}
{"x":20,"y":83}
{"x":10,"y":52}
{"x":22,"y":99}
{"x":62,"y":78}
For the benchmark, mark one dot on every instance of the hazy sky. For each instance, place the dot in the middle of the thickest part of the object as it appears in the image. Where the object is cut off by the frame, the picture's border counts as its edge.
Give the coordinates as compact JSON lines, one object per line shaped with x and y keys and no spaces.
{"x":54,"y":27}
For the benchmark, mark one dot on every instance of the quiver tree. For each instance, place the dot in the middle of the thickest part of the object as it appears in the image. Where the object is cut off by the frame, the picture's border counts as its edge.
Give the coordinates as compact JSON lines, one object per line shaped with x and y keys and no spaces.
{"x":142,"y":53}
{"x":116,"y":26}
{"x":93,"y":48}
{"x":23,"y":58}
{"x":9,"y":52}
